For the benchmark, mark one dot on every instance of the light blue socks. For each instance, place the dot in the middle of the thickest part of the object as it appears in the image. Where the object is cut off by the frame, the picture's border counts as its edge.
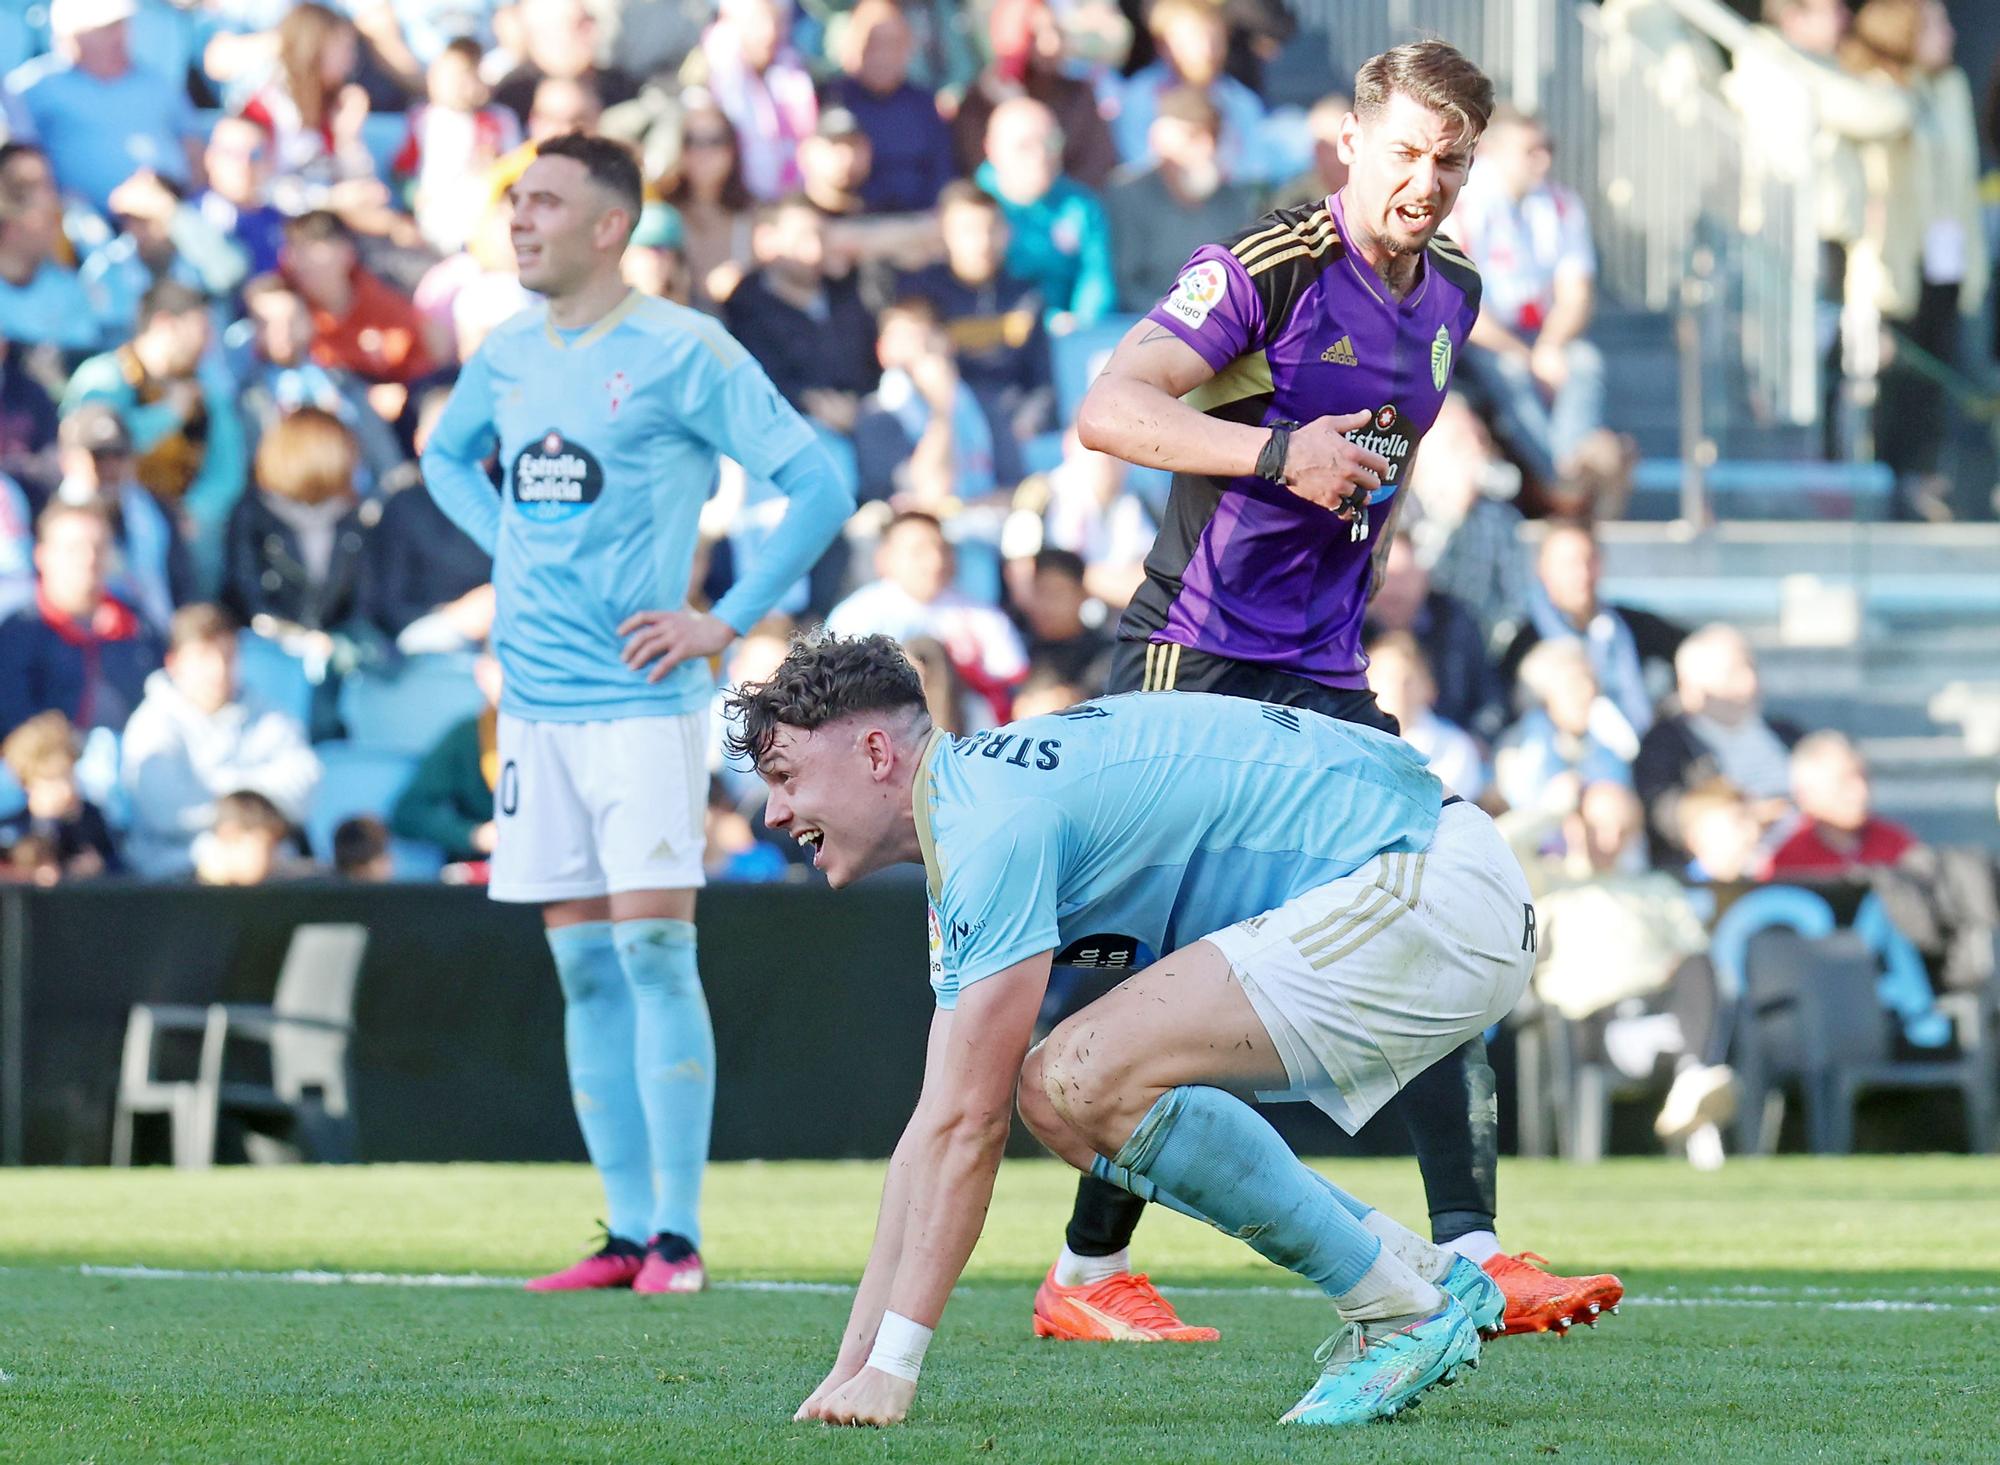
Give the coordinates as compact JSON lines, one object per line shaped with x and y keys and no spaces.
{"x":1207,"y":1154}
{"x":598,"y":1023}
{"x":675,"y":1067}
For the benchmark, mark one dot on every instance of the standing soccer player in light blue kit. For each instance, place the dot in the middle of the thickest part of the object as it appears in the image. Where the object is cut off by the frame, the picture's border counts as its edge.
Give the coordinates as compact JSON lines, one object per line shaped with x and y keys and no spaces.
{"x":608,"y":409}
{"x":1330,"y":922}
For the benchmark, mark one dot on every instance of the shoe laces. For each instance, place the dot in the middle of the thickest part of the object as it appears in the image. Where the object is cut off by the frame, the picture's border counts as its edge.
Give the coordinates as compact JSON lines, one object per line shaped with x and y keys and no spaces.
{"x":1350,"y":1343}
{"x":1138,"y":1300}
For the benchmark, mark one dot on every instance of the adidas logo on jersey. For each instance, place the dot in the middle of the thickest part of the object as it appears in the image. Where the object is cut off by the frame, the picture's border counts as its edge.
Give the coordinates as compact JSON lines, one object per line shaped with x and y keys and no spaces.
{"x":1340,"y":353}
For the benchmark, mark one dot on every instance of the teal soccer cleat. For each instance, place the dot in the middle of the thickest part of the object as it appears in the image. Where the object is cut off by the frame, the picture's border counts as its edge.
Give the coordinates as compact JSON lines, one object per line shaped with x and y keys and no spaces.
{"x":1375,"y":1373}
{"x":1478,"y":1294}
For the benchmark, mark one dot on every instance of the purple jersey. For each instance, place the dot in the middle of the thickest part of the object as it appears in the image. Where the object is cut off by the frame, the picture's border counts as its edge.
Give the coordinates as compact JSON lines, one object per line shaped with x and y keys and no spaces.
{"x":1297,"y":328}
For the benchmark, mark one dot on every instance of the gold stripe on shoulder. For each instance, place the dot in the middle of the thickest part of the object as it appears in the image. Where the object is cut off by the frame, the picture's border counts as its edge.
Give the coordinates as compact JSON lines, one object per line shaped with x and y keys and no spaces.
{"x":1450,"y":250}
{"x":1311,"y":232}
{"x":1304,"y":251}
{"x":1250,"y":242}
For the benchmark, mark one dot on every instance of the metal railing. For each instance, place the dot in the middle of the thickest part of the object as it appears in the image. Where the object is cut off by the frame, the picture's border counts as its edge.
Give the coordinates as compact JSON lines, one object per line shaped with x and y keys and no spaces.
{"x":1659,"y":157}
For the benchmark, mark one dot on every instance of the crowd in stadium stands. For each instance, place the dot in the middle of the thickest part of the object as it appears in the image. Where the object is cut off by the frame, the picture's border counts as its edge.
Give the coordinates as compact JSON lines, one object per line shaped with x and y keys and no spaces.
{"x":243,"y":245}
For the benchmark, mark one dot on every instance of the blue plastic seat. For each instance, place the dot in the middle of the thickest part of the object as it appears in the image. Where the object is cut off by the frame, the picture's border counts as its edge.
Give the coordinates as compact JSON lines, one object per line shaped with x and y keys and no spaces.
{"x":274,"y":675}
{"x":408,"y":709}
{"x":359,"y":780}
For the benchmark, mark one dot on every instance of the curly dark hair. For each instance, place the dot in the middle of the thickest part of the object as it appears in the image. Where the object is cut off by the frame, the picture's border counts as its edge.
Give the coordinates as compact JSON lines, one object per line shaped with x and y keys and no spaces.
{"x":823,"y":678}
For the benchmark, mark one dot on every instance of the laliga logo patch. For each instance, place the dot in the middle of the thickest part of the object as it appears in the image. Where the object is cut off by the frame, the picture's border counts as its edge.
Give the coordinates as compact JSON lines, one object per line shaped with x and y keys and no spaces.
{"x":555,"y":479}
{"x":1389,"y":438}
{"x":1441,"y":359}
{"x":1198,"y":291}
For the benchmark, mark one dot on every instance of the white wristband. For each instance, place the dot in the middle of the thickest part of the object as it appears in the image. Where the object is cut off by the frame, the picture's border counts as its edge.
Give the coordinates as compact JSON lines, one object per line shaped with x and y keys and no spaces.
{"x":899,"y":1347}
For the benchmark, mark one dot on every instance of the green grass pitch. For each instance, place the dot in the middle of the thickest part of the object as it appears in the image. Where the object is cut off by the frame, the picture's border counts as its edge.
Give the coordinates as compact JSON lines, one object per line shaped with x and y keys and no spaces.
{"x":1843,"y":1310}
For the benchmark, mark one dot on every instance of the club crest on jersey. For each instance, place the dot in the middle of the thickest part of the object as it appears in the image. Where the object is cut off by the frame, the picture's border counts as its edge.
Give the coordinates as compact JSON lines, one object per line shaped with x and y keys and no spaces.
{"x":1441,"y":358}
{"x":1198,"y":291}
{"x":1389,"y":437}
{"x":555,"y":479}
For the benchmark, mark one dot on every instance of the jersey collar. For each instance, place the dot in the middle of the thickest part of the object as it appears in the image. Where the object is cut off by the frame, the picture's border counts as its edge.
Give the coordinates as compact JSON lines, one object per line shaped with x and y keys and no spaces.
{"x":604,"y":325}
{"x":921,"y":798}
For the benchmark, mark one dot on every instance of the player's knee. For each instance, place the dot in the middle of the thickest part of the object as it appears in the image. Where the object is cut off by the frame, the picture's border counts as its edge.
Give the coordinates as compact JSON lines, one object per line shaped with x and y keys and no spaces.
{"x":1079,"y":1081}
{"x":1032,"y":1099}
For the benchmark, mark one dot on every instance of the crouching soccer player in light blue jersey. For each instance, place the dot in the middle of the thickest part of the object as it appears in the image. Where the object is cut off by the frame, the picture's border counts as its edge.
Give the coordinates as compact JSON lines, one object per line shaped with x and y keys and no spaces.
{"x":1331,"y":921}
{"x":608,"y":409}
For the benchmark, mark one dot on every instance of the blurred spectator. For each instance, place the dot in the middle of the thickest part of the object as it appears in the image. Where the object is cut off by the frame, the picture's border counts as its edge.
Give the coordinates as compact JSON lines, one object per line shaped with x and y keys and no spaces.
{"x":17,"y":548}
{"x":1803,"y":122}
{"x":313,"y":110}
{"x":1720,"y":833}
{"x":449,"y":800}
{"x":159,"y":238}
{"x":359,"y":323}
{"x":1530,"y":237}
{"x":1464,"y":526}
{"x":1719,"y":732}
{"x":428,"y":586}
{"x":994,"y":320}
{"x":1193,"y":42}
{"x":77,"y":649}
{"x":1091,"y":513}
{"x":99,"y":116}
{"x":1837,"y":832}
{"x":762,"y":86}
{"x":1059,"y":638}
{"x":715,"y":206}
{"x":361,"y":851}
{"x":246,"y":844}
{"x":41,"y":754}
{"x":946,"y":697}
{"x":279,"y":376}
{"x":1328,"y":174}
{"x":735,"y":855}
{"x":913,"y":597}
{"x":1030,"y":59}
{"x":152,"y":572}
{"x":656,"y":258}
{"x":1631,"y":651}
{"x":910,"y":143}
{"x":562,"y":104}
{"x":557,"y":38}
{"x":1559,"y":744}
{"x":27,"y":413}
{"x":835,"y":164}
{"x":42,"y":302}
{"x":450,"y":141}
{"x":297,"y":543}
{"x":1178,"y":198}
{"x":1047,"y":690}
{"x":237,"y":201}
{"x":1058,"y":238}
{"x":811,"y":334}
{"x":753,"y":659}
{"x":1468,"y":691}
{"x":179,"y":406}
{"x":1922,"y":258}
{"x":922,"y":441}
{"x":197,"y":736}
{"x":1400,"y":677}
{"x":1625,"y":952}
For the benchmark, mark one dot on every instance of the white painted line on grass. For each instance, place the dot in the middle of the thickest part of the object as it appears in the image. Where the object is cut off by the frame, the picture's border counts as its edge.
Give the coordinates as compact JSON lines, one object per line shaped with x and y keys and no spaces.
{"x":1815,"y":1298}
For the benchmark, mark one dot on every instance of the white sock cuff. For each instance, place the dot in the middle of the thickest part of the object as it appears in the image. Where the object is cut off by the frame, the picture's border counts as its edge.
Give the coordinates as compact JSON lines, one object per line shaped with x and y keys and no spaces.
{"x":1078,"y":1271}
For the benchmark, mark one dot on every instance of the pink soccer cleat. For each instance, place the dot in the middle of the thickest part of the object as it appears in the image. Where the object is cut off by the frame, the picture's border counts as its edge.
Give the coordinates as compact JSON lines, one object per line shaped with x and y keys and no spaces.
{"x":616,"y":1264}
{"x":671,"y":1265}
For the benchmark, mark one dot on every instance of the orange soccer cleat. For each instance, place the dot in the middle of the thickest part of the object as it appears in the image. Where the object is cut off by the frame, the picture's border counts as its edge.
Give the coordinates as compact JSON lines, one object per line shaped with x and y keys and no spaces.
{"x":1540,"y":1301}
{"x":1126,"y":1308}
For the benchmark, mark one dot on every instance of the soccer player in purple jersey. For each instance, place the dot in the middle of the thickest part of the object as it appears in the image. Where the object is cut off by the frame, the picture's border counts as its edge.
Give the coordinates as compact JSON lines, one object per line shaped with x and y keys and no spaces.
{"x":1286,"y":380}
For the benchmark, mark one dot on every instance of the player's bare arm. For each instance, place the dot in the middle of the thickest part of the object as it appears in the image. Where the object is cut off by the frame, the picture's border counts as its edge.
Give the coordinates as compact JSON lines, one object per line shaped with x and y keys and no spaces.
{"x":955,"y":1141}
{"x":1134,"y":411}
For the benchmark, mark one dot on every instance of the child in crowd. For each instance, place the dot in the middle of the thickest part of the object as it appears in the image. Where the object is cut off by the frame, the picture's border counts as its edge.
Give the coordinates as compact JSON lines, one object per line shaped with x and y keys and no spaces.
{"x":451,"y":140}
{"x":246,"y":846}
{"x":59,"y":833}
{"x":361,"y":851}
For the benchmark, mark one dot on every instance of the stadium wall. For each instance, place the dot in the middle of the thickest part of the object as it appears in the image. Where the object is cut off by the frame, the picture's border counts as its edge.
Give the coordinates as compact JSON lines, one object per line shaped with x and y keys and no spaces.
{"x":819,"y":1002}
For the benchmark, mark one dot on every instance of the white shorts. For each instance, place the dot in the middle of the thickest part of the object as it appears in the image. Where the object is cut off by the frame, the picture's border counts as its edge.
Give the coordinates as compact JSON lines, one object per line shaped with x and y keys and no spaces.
{"x":600,"y":808}
{"x":1366,"y":981}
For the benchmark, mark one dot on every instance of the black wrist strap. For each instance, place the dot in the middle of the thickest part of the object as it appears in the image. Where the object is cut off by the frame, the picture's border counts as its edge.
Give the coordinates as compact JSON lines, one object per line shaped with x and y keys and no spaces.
{"x":1271,"y":459}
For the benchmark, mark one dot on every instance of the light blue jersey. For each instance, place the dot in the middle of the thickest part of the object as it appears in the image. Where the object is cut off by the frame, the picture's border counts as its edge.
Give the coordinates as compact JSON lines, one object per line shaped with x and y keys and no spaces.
{"x":608,"y":446}
{"x":1156,"y":817}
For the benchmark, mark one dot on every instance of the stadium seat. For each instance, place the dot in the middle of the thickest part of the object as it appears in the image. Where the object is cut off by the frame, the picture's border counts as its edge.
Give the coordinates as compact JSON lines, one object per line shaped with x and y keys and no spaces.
{"x":361,"y":780}
{"x":306,"y":1029}
{"x":407,"y":709}
{"x":277,"y":677}
{"x":1076,"y":358}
